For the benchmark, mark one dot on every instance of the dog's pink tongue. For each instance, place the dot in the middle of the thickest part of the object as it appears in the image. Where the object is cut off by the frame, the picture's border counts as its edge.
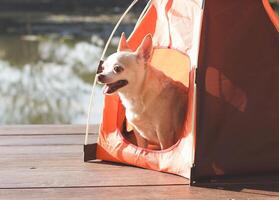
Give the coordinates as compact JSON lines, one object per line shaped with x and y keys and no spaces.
{"x":106,"y":89}
{"x":112,"y":87}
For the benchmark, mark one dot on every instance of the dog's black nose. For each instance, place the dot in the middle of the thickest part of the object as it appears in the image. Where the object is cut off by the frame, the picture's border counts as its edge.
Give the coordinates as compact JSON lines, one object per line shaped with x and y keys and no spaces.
{"x":100,"y":68}
{"x":101,"y":78}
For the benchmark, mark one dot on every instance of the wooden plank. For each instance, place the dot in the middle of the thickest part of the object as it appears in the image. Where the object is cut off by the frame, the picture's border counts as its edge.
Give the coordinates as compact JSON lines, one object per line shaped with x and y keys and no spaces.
{"x":83,"y":175}
{"x":11,"y":151}
{"x":268,"y":190}
{"x":127,"y":193}
{"x":43,"y":164}
{"x":36,"y":140}
{"x":58,"y":161}
{"x":42,"y":161}
{"x":235,"y":181}
{"x":25,"y":160}
{"x":46,"y":129}
{"x":27,"y":168}
{"x":262,"y":188}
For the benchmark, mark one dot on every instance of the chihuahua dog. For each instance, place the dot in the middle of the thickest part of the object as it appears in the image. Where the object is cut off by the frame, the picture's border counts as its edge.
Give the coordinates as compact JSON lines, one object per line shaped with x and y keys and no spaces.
{"x":155,"y":104}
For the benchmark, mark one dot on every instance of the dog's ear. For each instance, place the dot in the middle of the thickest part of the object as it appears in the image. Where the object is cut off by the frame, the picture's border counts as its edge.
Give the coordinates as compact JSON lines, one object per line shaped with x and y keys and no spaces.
{"x":145,"y":48}
{"x":123,"y":45}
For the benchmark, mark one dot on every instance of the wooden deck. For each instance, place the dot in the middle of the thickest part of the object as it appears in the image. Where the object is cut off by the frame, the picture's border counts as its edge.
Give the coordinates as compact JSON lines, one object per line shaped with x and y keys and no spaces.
{"x":46,"y":162}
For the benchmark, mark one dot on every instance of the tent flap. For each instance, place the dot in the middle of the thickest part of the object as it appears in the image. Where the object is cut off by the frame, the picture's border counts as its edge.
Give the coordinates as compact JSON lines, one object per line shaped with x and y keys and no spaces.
{"x":238,"y":98}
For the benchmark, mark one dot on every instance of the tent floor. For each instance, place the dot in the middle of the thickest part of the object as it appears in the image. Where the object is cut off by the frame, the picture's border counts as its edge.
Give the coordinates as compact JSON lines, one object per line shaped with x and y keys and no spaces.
{"x":46,"y":162}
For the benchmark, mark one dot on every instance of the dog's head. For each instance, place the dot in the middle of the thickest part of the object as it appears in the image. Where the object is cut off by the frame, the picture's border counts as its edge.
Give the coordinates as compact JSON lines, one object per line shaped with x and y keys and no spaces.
{"x":124,"y":70}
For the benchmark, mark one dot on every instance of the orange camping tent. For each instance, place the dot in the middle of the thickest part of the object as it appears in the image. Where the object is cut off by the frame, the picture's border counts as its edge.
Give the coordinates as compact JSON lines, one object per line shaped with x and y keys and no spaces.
{"x":231,"y":126}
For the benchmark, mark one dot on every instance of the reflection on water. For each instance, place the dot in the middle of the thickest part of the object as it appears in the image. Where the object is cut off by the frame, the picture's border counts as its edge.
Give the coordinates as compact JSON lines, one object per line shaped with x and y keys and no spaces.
{"x":47,"y":79}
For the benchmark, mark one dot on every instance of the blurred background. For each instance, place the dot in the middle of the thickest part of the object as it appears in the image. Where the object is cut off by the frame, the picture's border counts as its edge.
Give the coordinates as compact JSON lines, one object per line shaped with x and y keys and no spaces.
{"x":49,"y":51}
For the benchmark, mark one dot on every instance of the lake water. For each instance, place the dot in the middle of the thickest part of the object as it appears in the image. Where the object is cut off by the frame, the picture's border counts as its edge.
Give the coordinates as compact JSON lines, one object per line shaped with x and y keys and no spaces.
{"x":48,"y":62}
{"x":46,"y":79}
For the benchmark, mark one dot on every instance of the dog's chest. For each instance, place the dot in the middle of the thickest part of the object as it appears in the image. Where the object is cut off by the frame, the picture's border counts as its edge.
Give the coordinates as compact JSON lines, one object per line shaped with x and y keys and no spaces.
{"x":135,"y":115}
{"x":141,"y":118}
{"x":134,"y":107}
{"x":143,"y":124}
{"x":138,"y":116}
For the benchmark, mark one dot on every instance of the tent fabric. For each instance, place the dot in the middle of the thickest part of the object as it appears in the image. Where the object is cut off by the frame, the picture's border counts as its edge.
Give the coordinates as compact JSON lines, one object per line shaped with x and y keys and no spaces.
{"x":166,"y":21}
{"x":234,"y":130}
{"x":238,"y":110}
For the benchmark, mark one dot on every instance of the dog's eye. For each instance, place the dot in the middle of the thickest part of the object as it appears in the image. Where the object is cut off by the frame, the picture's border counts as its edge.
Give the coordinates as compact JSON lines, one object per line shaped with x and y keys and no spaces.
{"x":117,"y":69}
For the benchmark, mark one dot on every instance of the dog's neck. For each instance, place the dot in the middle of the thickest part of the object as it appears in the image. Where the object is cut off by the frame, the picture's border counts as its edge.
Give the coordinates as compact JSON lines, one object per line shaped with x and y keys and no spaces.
{"x":135,"y":99}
